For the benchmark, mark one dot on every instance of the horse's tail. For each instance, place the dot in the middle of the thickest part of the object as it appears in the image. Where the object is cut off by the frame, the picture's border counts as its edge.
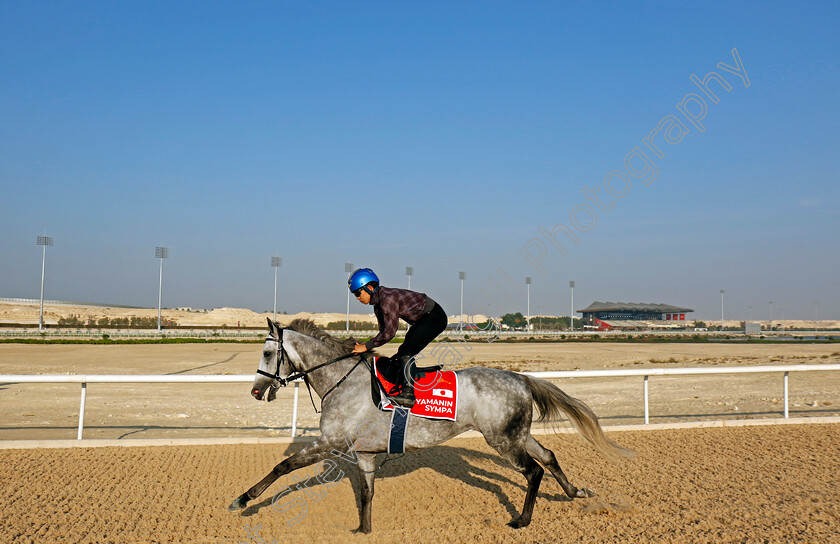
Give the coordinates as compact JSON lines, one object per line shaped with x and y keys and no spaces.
{"x":552,"y":402}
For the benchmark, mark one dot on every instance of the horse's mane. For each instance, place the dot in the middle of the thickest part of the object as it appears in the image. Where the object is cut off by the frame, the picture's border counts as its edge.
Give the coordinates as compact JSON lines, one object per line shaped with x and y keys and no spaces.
{"x":309,"y":328}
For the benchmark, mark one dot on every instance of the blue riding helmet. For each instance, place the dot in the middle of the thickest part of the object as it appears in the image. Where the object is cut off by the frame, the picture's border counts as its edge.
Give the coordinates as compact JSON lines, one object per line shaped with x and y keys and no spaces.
{"x":361,"y":277}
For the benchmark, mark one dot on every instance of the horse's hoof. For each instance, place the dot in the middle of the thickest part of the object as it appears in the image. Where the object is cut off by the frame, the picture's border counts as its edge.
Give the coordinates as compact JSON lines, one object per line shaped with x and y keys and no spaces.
{"x":518,"y":523}
{"x":361,"y":530}
{"x":239,"y":504}
{"x":585,"y":493}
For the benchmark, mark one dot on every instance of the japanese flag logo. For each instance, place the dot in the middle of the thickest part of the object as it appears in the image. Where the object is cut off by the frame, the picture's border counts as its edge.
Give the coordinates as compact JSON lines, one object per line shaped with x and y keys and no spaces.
{"x":445,"y":393}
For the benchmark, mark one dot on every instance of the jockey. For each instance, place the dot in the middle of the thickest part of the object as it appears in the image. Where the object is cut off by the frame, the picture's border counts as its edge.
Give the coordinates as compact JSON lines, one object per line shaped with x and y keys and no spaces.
{"x":426,"y":317}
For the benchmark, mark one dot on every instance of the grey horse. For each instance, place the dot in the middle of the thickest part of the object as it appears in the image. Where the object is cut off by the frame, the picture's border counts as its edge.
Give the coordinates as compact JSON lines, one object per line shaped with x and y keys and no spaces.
{"x":497,"y":403}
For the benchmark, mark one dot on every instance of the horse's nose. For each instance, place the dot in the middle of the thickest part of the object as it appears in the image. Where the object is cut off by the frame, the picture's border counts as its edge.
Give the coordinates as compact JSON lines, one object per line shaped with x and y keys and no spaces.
{"x":256,"y":393}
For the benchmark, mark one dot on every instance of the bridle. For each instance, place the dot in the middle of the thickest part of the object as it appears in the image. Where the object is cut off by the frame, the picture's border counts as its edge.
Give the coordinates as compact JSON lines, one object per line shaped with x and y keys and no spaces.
{"x":297,"y":373}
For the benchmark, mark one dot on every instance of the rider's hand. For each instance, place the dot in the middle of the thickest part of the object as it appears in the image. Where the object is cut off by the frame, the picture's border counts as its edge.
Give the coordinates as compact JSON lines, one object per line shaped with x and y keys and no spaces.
{"x":359,"y":348}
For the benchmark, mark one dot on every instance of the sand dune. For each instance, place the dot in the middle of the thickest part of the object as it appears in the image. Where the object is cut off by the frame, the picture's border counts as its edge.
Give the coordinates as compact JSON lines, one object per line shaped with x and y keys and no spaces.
{"x":28,"y":313}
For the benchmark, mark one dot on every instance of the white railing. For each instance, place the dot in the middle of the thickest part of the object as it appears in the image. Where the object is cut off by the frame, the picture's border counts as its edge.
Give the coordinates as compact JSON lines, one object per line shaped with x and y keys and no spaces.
{"x":646,"y":373}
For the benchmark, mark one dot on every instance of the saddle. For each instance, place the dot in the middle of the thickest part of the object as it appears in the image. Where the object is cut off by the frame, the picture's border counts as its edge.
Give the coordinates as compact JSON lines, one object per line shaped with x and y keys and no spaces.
{"x":435,"y":390}
{"x":390,"y":374}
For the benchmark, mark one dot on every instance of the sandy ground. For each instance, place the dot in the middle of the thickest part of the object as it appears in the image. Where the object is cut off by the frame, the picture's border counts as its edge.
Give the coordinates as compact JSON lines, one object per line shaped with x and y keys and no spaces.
{"x":38,"y":411}
{"x":726,"y":485}
{"x":29,"y":313}
{"x":738,"y":484}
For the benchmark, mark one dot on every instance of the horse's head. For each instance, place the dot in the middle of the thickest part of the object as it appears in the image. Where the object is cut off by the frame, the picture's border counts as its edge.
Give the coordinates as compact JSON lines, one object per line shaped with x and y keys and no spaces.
{"x":274,"y":367}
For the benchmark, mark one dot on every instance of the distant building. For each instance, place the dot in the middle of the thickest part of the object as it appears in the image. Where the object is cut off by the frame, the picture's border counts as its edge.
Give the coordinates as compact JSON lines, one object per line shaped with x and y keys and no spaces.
{"x":633,"y":315}
{"x":752,"y":327}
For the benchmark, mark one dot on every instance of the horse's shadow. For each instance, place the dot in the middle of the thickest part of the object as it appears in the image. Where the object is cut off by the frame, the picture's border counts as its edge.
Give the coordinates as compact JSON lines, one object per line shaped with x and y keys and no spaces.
{"x":460,"y":464}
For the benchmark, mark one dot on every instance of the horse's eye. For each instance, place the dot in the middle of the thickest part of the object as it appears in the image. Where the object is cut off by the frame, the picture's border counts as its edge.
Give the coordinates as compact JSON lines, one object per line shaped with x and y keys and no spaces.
{"x":267,"y":354}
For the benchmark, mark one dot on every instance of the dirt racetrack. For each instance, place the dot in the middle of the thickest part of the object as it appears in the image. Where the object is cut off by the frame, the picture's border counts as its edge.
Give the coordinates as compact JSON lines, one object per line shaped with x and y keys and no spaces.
{"x":128,"y":411}
{"x":737,"y":484}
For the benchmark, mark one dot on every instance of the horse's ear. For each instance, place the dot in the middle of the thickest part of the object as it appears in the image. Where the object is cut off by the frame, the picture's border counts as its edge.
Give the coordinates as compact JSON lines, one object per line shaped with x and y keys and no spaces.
{"x":272,"y":327}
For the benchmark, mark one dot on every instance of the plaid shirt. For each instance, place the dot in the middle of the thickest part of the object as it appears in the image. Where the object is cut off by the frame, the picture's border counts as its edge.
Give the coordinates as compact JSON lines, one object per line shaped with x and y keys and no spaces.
{"x":390,"y":305}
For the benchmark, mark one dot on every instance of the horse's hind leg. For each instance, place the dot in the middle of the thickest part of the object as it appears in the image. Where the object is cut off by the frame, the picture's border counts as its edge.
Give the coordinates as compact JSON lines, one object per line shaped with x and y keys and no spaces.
{"x":547,"y":458}
{"x":533,"y":473}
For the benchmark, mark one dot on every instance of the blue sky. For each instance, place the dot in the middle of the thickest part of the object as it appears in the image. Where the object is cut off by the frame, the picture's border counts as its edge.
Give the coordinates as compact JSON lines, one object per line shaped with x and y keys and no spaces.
{"x":441,"y":136}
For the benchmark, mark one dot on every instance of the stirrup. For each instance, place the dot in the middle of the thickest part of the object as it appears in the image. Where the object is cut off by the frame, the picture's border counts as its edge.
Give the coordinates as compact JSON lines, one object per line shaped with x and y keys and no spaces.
{"x":405,"y":397}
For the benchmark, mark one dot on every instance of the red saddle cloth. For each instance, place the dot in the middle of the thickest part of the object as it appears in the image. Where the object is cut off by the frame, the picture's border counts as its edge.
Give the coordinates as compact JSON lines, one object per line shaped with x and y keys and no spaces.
{"x":436,"y":394}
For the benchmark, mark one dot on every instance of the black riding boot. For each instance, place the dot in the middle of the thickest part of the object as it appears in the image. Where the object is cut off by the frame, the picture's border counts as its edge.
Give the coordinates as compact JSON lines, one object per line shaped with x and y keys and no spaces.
{"x":405,"y":397}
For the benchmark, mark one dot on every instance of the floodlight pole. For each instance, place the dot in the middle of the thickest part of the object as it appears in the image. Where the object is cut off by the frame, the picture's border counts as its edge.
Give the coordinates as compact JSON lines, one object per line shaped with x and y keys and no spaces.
{"x":43,"y":241}
{"x":160,"y":253}
{"x":348,"y":268}
{"x":771,"y":314}
{"x":721,"y":308}
{"x":816,"y":316}
{"x":275,"y":263}
{"x":461,"y":276}
{"x":409,"y":271}
{"x":572,"y":309}
{"x":528,"y":286}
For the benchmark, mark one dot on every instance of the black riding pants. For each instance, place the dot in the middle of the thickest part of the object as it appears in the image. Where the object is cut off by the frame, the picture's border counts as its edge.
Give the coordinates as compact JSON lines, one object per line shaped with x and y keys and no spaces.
{"x":422,"y":332}
{"x":418,"y":337}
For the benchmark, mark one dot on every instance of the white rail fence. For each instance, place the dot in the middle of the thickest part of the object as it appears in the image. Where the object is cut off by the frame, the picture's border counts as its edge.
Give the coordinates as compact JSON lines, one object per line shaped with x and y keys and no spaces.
{"x":646,"y":373}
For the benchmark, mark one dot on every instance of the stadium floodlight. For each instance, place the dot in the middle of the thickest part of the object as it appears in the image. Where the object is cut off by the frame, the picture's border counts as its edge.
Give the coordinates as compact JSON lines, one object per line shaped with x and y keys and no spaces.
{"x":816,"y":316}
{"x":771,"y":314}
{"x":275,"y":264}
{"x":348,"y":268}
{"x":528,"y":286}
{"x":461,"y":276}
{"x":43,"y":241}
{"x":572,"y":309}
{"x":721,"y":308}
{"x":161,"y":253}
{"x":409,"y":271}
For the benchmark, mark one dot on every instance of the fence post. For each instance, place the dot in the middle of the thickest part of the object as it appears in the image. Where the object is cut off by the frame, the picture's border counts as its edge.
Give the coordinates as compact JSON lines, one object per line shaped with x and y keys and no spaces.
{"x":647,"y":411}
{"x":82,"y":412}
{"x":294,"y":410}
{"x":787,"y":414}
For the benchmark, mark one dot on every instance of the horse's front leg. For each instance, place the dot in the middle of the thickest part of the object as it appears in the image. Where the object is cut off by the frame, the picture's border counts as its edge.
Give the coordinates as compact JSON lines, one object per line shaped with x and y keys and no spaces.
{"x":305,"y":457}
{"x":367,"y":470}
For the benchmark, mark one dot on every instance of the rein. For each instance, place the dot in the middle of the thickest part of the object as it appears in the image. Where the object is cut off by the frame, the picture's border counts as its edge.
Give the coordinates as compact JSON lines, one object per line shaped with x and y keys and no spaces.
{"x":305,"y":373}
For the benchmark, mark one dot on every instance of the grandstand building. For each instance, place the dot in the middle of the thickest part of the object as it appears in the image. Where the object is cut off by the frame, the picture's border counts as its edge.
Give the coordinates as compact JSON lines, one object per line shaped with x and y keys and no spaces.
{"x":633,"y":316}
